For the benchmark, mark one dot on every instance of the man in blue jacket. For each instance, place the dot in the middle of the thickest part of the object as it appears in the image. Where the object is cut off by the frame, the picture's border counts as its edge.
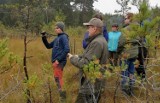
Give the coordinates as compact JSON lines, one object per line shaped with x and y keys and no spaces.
{"x":105,"y":33}
{"x":60,"y":49}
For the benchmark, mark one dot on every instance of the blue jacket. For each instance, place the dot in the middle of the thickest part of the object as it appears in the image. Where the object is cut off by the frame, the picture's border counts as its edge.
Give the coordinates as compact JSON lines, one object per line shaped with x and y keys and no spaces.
{"x":113,"y":39}
{"x":86,"y":35}
{"x":60,"y":48}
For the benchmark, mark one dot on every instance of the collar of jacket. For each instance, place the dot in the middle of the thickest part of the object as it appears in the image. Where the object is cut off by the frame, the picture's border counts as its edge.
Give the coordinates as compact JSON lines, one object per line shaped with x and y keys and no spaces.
{"x":63,"y":34}
{"x":89,"y":39}
{"x":60,"y":34}
{"x":115,"y":31}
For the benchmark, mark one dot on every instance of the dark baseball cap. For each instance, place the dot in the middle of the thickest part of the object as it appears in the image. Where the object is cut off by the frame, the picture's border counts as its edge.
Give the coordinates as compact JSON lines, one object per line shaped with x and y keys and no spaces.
{"x":114,"y":25}
{"x":94,"y":22}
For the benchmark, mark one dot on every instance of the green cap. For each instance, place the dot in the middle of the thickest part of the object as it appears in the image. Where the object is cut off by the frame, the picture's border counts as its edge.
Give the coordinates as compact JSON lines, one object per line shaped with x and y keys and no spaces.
{"x":94,"y":22}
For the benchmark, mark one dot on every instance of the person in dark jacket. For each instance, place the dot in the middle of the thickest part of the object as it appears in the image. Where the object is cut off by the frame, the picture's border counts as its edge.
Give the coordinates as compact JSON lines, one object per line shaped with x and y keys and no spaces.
{"x":104,"y":28}
{"x":130,"y":55}
{"x":96,"y":47}
{"x":60,"y":49}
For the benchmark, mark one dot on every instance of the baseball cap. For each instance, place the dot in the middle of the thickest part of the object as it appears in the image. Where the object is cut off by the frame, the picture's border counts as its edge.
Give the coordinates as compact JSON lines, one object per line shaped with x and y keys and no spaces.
{"x":94,"y":22}
{"x":114,"y":25}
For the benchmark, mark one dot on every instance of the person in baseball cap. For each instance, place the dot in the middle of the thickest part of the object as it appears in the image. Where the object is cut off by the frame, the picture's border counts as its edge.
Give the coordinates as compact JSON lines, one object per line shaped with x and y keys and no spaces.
{"x":104,"y":30}
{"x":96,"y":50}
{"x":94,"y":26}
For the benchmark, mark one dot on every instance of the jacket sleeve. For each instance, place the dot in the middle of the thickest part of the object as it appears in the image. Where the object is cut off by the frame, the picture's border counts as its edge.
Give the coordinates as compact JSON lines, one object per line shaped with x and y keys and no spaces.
{"x":93,"y":51}
{"x":84,"y":43}
{"x":105,"y":33}
{"x":121,"y":44}
{"x":48,"y":45}
{"x":65,"y":42}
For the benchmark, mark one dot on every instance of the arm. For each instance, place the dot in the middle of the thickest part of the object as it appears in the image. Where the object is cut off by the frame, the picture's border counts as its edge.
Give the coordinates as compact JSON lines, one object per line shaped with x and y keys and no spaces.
{"x":94,"y":50}
{"x":105,"y":33}
{"x":65,"y":42}
{"x":84,"y":43}
{"x":121,"y":43}
{"x":48,"y":45}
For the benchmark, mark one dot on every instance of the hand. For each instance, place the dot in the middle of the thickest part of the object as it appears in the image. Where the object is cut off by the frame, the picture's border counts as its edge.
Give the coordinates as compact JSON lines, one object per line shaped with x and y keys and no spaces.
{"x":76,"y":55}
{"x":69,"y":55}
{"x":56,"y":62}
{"x":43,"y":33}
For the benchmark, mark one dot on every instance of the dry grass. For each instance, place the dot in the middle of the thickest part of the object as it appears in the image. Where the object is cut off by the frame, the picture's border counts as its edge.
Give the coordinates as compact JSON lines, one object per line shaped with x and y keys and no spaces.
{"x":39,"y":55}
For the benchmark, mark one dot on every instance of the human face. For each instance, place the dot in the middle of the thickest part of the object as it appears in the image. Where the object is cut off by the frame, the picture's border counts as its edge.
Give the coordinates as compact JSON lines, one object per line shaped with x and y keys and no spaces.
{"x":114,"y":28}
{"x":57,"y":30}
{"x":127,"y":20}
{"x":91,"y":30}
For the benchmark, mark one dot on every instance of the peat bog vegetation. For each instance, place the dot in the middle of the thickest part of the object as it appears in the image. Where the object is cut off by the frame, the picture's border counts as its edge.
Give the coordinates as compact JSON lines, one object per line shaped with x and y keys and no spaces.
{"x":26,"y":71}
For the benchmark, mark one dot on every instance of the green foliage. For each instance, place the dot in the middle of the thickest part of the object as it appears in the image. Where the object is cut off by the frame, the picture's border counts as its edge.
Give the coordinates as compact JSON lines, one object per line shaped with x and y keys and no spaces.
{"x":44,"y":11}
{"x":3,"y":48}
{"x":34,"y":85}
{"x":155,"y":11}
{"x":7,"y":59}
{"x":149,"y":42}
{"x":46,"y":68}
{"x":49,"y":28}
{"x":144,"y":11}
{"x":92,"y":71}
{"x":143,"y":26}
{"x":60,"y":16}
{"x":75,"y":31}
{"x":24,"y":14}
{"x":123,"y":66}
{"x":84,"y":9}
{"x":33,"y":82}
{"x":36,"y":22}
{"x":124,"y":6}
{"x":14,"y":59}
{"x":2,"y":29}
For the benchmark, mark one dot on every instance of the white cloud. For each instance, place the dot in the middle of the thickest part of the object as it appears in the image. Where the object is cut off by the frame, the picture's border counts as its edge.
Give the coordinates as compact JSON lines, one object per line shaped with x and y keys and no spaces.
{"x":109,"y":6}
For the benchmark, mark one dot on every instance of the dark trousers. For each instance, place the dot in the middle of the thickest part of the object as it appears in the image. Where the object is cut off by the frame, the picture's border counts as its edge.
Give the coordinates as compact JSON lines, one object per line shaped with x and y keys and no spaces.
{"x":99,"y":87}
{"x":141,"y":58}
{"x":84,"y":98}
{"x":128,"y":72}
{"x":113,"y":58}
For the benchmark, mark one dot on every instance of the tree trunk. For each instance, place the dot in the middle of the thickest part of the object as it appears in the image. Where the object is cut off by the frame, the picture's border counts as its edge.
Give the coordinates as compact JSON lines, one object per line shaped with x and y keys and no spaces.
{"x":25,"y":67}
{"x":25,"y":55}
